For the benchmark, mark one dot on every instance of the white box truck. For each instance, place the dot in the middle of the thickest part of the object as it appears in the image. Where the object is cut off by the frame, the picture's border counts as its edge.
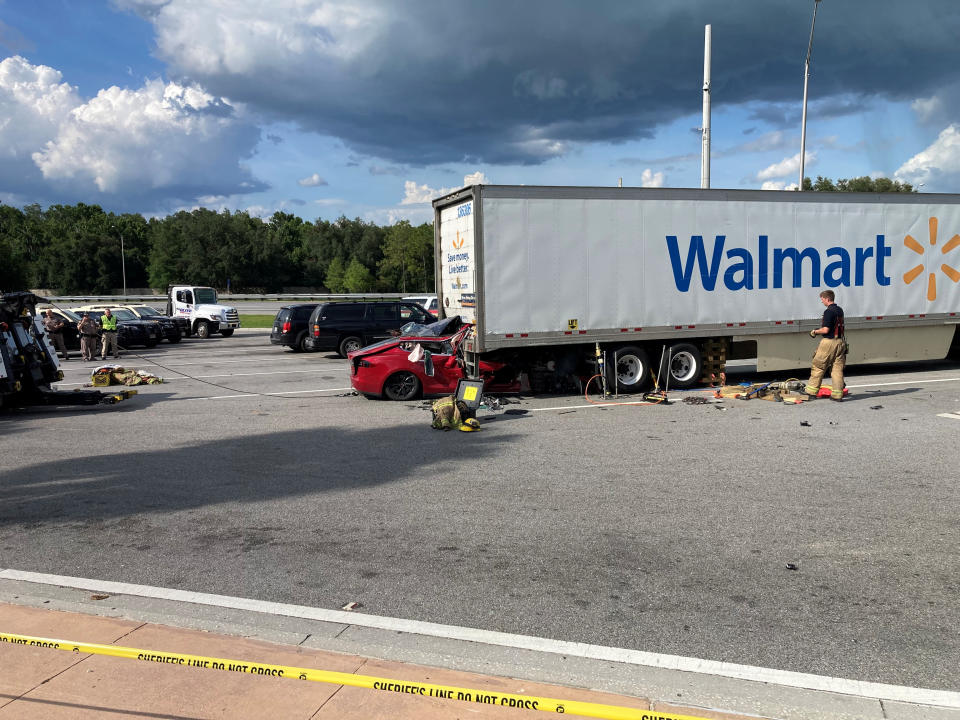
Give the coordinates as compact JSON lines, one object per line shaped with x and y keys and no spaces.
{"x":665,"y":275}
{"x":198,"y":306}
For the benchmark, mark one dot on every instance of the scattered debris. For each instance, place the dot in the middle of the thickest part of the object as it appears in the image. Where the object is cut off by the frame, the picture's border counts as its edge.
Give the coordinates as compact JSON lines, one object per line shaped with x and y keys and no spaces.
{"x":876,"y":407}
{"x":692,"y":400}
{"x":564,"y":412}
{"x":116,"y":375}
{"x":99,"y":596}
{"x":352,"y":393}
{"x":804,"y":423}
{"x":515,"y":411}
{"x":793,"y":566}
{"x":352,"y":606}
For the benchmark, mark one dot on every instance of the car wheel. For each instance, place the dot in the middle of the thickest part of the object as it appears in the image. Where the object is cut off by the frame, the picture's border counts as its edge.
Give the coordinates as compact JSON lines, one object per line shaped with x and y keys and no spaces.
{"x":152,"y":343}
{"x":349,"y":344}
{"x":203,"y":329}
{"x":302,"y":344}
{"x":175,"y":339}
{"x":227,"y":333}
{"x":401,"y":386}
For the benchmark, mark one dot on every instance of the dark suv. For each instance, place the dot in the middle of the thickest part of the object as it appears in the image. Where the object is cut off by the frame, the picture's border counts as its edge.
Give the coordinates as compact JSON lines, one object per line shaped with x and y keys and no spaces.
{"x":290,"y":326}
{"x":349,"y":326}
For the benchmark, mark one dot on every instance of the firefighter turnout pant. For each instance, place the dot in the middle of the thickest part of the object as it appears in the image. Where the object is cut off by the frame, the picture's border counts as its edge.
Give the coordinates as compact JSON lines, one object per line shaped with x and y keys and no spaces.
{"x":109,"y":340}
{"x":831,"y":356}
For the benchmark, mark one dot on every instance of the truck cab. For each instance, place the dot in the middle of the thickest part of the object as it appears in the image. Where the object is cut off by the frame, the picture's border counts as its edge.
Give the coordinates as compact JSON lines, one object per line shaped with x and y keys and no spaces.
{"x":199,"y":305}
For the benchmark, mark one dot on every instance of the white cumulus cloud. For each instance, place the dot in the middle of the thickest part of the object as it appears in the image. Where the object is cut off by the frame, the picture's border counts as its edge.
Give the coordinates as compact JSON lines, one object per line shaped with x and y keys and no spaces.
{"x":940,"y":160}
{"x":787,"y":166}
{"x":414,"y":194}
{"x":312,"y":181}
{"x":651,"y":179}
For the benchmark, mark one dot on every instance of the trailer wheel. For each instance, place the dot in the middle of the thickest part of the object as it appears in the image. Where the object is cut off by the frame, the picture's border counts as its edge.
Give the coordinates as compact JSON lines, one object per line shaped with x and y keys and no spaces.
{"x":401,"y":386}
{"x":685,"y":366}
{"x":203,"y":329}
{"x":631,"y":369}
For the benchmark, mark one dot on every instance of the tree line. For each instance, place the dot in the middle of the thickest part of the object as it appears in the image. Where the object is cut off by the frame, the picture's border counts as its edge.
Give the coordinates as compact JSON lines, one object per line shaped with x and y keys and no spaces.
{"x":82,"y":249}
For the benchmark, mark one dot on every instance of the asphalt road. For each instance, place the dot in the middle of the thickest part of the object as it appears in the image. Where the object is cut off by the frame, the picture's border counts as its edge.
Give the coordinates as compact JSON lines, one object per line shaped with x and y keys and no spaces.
{"x":660,"y":528}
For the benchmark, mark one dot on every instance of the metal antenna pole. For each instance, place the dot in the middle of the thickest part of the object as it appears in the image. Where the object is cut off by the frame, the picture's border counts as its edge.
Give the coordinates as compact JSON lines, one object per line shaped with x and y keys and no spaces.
{"x":806,"y":81}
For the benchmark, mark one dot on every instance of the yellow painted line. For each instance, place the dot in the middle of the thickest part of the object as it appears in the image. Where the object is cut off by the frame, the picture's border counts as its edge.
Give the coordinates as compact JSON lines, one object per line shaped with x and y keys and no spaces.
{"x":406,"y":687}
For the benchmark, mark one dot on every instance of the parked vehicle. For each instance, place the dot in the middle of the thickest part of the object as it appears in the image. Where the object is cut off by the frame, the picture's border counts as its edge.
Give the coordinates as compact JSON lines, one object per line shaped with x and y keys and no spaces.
{"x":553,"y":275}
{"x":199,"y":306}
{"x":131,"y":331}
{"x":349,"y":326}
{"x":424,"y":360}
{"x":290,"y":326}
{"x":169,"y":329}
{"x":429,"y":302}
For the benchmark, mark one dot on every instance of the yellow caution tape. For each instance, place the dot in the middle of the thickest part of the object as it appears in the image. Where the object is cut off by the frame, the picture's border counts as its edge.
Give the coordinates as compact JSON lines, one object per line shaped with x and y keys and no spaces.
{"x":486,"y":697}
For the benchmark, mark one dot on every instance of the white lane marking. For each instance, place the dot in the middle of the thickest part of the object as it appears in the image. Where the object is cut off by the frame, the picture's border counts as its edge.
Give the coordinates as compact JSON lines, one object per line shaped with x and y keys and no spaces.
{"x":952,"y":416}
{"x":614,"y":404}
{"x":824,"y":683}
{"x":200,"y":377}
{"x":288,"y":392}
{"x":906,"y":382}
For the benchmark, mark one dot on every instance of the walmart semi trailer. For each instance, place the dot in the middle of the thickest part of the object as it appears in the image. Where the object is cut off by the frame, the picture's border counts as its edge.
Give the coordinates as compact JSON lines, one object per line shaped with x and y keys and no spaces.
{"x":677,"y":277}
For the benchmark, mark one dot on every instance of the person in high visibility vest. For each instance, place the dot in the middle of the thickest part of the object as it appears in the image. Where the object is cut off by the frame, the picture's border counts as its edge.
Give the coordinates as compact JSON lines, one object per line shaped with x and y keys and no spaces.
{"x":109,"y":325}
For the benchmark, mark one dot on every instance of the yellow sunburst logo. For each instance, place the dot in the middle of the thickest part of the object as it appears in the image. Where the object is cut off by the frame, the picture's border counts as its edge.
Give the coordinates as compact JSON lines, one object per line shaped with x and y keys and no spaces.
{"x":915,"y":272}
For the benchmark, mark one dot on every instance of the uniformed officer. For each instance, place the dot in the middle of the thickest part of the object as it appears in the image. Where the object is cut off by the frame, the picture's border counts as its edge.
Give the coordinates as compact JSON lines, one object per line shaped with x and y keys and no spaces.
{"x":87,"y":327}
{"x":109,"y":325}
{"x":831,"y":354}
{"x":54,"y":327}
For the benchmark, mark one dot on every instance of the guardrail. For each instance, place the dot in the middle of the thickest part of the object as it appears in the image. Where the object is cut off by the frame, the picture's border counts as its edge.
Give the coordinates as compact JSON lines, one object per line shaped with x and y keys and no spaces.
{"x":271,"y":297}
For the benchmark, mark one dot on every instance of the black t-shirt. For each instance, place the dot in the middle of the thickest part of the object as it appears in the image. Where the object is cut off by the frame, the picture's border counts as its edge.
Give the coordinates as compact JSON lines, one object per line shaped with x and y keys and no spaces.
{"x":832,"y":318}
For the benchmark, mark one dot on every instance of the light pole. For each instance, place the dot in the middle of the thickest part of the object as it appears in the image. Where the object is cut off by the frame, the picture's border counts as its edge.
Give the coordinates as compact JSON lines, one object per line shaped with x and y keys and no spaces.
{"x":123,"y":262}
{"x":806,"y":80}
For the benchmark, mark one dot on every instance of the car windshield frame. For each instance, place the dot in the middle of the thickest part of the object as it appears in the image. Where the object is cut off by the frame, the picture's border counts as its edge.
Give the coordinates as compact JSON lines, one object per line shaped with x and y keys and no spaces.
{"x":123,"y":314}
{"x":71,"y":315}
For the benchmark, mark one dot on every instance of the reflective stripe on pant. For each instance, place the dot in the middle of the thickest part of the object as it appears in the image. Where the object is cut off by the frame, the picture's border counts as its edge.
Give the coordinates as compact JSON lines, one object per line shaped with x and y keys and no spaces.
{"x":830,"y":357}
{"x":109,"y":340}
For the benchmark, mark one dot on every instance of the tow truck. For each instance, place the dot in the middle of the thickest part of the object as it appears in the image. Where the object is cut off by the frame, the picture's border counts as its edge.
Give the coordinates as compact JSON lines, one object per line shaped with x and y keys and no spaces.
{"x":28,"y":361}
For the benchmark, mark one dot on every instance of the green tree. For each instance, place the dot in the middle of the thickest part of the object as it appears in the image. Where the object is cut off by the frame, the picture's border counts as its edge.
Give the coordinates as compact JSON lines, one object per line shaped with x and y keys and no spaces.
{"x":335,"y":279}
{"x":407,"y":263}
{"x":358,"y":278}
{"x":860,"y":184}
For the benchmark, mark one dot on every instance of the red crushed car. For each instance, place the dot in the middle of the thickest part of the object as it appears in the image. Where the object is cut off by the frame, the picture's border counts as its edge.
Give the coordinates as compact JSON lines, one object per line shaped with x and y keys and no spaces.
{"x":420,"y":363}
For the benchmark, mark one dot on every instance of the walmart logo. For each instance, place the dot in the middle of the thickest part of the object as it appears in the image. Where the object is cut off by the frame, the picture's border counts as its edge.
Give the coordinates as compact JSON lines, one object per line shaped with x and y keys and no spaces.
{"x":915,"y":272}
{"x":740,"y":269}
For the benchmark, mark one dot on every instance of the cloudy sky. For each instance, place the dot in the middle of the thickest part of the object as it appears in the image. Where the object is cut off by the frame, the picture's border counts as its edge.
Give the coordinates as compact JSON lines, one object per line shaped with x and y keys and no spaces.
{"x":370,"y":108}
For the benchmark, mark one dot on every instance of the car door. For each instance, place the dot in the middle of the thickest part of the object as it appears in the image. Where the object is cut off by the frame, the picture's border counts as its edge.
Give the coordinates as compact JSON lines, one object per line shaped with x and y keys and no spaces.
{"x":382,"y":317}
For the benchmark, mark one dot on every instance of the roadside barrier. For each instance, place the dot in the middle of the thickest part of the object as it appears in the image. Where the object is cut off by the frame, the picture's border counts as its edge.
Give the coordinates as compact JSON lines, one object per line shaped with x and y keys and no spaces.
{"x":486,"y":697}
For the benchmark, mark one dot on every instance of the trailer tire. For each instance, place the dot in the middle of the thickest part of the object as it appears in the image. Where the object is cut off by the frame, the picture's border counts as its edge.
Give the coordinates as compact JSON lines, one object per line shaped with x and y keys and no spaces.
{"x":227,"y":333}
{"x":175,"y":339}
{"x":630,"y":369}
{"x":203,"y":330}
{"x":684,"y":367}
{"x":401,"y":386}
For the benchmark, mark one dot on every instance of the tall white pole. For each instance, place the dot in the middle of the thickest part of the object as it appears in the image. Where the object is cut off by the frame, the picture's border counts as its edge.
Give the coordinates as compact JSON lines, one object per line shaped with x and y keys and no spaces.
{"x":806,"y":81}
{"x":705,"y":139}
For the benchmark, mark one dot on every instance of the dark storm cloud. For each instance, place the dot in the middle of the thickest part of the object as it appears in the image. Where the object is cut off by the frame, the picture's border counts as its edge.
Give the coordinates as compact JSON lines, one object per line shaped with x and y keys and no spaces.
{"x":507,"y":82}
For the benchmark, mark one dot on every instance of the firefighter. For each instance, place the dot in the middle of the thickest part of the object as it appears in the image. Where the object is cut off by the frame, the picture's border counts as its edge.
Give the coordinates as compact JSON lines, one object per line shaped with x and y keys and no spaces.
{"x":109,"y":325}
{"x":54,"y":327}
{"x":831,"y":353}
